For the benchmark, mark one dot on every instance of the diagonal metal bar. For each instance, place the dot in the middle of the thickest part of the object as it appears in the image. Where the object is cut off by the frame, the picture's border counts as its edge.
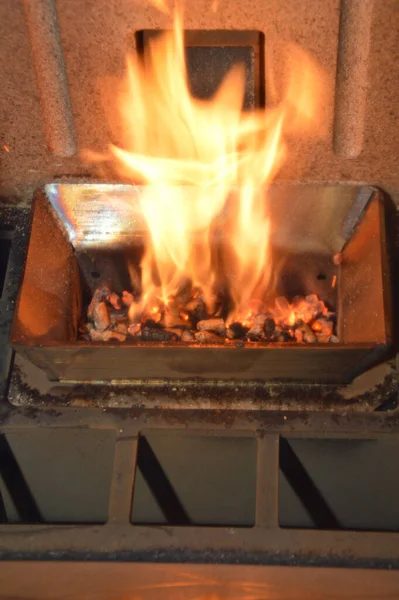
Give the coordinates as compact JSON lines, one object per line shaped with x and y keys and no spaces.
{"x":160,"y":486}
{"x":16,"y":485}
{"x":306,"y":490}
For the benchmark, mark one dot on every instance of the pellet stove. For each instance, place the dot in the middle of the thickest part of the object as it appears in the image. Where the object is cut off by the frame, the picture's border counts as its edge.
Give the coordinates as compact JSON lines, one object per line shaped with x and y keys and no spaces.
{"x":142,"y":421}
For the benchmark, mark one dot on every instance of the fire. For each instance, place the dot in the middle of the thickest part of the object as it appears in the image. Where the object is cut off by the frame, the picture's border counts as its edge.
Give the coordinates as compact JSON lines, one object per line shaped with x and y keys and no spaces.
{"x":300,"y":309}
{"x":203,"y":163}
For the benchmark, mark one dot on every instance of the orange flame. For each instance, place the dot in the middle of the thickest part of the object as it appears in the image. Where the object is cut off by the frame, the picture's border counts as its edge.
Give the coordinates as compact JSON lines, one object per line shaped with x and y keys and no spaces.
{"x":194,"y":155}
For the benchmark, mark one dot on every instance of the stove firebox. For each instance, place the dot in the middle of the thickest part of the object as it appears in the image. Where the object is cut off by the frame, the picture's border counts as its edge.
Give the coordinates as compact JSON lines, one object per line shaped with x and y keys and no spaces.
{"x":69,"y":254}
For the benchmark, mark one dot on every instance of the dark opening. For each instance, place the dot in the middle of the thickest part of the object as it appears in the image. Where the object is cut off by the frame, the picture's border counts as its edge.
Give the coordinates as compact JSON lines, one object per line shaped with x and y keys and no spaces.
{"x":211,"y":54}
{"x":339,"y":484}
{"x":41,"y":483}
{"x":195,"y":480}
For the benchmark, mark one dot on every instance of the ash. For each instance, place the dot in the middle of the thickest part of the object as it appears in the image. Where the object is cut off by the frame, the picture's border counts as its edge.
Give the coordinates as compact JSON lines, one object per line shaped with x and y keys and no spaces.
{"x":185,"y":318}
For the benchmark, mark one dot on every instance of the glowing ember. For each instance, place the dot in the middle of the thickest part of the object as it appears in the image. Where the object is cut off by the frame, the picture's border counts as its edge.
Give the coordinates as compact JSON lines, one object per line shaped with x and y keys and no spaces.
{"x":185,"y":318}
{"x":193,"y":156}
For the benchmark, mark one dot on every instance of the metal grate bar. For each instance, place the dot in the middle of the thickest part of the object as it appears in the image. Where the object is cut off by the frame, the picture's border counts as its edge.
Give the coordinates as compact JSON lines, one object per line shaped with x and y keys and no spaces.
{"x":121,"y":493}
{"x":267,"y":481}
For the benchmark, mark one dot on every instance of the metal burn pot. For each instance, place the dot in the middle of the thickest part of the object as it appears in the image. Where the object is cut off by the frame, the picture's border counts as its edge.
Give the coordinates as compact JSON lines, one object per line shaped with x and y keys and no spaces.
{"x":69,"y":250}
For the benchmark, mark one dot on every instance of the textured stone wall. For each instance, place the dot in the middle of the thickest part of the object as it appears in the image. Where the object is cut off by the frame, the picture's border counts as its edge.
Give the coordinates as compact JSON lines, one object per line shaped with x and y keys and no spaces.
{"x":56,"y":55}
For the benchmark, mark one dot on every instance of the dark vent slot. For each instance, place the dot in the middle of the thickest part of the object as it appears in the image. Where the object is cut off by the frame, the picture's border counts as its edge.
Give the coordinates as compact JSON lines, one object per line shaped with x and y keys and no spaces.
{"x":211,"y":54}
{"x":50,"y":476}
{"x":342,"y":484}
{"x":195,"y":480}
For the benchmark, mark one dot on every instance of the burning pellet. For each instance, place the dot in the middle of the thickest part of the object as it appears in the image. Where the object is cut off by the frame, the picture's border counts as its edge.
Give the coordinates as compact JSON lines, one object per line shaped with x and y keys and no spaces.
{"x":314,"y":307}
{"x":96,"y":336}
{"x":113,"y":335}
{"x":117,"y":316}
{"x":284,"y":336}
{"x":236,"y":331}
{"x":134,"y":329}
{"x":154,"y":314}
{"x":183,"y":293}
{"x":100,"y":295}
{"x":172,"y":320}
{"x":276,"y":333}
{"x":317,"y":326}
{"x":208,"y":337}
{"x":308,"y":335}
{"x":115,"y":301}
{"x":196,"y":307}
{"x":269,"y":326}
{"x":319,"y":308}
{"x":312,"y":299}
{"x":175,"y":331}
{"x":154,"y":334}
{"x":257,"y":329}
{"x":127,"y":298}
{"x":106,"y":336}
{"x":323,"y":339}
{"x":330,"y":315}
{"x":334,"y":281}
{"x":120,"y":328}
{"x":187,"y":336}
{"x":213,"y":325}
{"x":172,"y":307}
{"x":100,"y":316}
{"x":151,"y":324}
{"x":323,"y":326}
{"x":85,"y":328}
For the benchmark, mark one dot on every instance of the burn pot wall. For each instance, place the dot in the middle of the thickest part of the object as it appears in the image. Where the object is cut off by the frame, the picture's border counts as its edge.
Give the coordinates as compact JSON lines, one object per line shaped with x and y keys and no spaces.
{"x":53,"y":55}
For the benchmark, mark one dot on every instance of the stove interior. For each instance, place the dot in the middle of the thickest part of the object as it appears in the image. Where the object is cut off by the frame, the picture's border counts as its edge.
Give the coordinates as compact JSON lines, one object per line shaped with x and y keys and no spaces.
{"x":302,"y":295}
